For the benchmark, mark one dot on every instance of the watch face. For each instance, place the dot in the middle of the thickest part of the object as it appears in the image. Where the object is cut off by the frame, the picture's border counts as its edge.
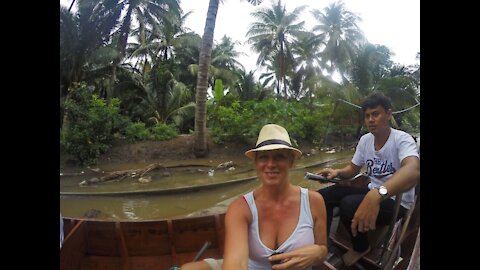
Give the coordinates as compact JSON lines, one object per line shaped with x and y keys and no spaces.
{"x":382,"y":190}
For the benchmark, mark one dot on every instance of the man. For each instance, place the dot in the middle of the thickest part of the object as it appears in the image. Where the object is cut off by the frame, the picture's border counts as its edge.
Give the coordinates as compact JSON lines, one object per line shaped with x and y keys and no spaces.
{"x":393,"y":167}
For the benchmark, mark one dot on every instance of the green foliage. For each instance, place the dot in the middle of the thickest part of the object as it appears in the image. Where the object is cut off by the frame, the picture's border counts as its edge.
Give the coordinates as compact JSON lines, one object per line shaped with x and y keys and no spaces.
{"x":90,"y":124}
{"x":411,"y":122}
{"x":243,"y":122}
{"x":226,"y":123}
{"x":137,"y":132}
{"x":218,"y":93}
{"x":163,"y":132}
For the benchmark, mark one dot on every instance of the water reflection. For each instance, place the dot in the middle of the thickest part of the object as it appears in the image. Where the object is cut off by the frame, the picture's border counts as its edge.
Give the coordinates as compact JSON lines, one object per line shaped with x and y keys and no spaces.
{"x":151,"y":207}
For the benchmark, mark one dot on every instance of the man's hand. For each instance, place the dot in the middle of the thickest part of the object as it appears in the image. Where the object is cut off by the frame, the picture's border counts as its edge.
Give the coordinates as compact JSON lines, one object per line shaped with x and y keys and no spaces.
{"x":366,"y":215}
{"x":329,"y":173}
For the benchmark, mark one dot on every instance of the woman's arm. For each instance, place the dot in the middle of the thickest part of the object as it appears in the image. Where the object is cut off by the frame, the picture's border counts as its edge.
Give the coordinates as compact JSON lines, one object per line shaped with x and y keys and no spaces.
{"x":236,"y":235}
{"x":319,"y":215}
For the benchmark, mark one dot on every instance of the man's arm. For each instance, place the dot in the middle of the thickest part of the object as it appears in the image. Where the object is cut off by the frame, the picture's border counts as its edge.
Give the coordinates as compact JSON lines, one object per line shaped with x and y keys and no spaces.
{"x":346,"y":172}
{"x":236,"y":235}
{"x":402,"y":180}
{"x":405,"y":178}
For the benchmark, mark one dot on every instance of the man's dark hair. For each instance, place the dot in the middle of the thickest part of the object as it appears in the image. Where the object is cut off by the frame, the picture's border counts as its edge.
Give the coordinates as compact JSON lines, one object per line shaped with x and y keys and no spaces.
{"x":376,"y":99}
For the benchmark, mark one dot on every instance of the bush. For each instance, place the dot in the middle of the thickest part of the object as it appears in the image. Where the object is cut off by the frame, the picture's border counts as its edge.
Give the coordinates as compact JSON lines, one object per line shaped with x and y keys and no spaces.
{"x":243,"y":122}
{"x":163,"y":132}
{"x":90,"y":124}
{"x":137,"y":132}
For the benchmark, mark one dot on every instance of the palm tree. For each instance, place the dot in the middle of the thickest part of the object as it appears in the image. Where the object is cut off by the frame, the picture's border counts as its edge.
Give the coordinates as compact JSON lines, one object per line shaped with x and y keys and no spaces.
{"x":307,"y":54}
{"x":200,"y":144}
{"x":224,"y":64}
{"x":369,"y":66}
{"x":171,"y":31}
{"x":150,"y":46}
{"x":246,"y":88}
{"x":341,"y":35}
{"x":122,"y":14}
{"x":169,"y":101}
{"x":83,"y":39}
{"x":273,"y":76}
{"x":272,"y":34}
{"x":147,"y":12}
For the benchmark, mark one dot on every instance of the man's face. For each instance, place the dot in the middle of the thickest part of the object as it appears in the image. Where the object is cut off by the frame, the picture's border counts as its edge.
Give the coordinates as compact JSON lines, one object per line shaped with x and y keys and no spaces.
{"x":377,"y":119}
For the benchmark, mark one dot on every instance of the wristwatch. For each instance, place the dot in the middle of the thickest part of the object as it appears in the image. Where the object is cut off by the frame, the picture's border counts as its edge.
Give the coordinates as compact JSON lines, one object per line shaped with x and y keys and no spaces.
{"x":382,"y":191}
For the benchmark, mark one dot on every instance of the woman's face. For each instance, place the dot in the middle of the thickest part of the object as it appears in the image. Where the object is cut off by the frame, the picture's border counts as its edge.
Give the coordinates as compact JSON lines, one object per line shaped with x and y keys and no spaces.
{"x":272,"y":166}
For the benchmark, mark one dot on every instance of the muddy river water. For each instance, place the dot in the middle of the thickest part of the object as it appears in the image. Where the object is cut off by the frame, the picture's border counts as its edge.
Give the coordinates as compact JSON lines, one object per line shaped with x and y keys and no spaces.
{"x":129,"y":199}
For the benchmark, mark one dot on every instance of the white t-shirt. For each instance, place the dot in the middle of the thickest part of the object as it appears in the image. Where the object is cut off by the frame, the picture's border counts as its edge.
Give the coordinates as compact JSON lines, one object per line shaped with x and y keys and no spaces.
{"x":382,"y":164}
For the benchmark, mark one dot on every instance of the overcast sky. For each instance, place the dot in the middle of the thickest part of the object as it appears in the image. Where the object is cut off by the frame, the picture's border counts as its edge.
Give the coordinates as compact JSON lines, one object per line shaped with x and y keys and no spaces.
{"x":393,"y":23}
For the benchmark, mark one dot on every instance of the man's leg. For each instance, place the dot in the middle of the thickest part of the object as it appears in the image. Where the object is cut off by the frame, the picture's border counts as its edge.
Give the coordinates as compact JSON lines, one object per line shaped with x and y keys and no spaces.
{"x":333,"y":195}
{"x":348,"y":207}
{"x":360,"y":243}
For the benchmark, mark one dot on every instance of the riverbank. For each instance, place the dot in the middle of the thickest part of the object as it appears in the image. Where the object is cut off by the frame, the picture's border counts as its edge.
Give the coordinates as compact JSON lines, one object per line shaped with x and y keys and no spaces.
{"x":179,"y":149}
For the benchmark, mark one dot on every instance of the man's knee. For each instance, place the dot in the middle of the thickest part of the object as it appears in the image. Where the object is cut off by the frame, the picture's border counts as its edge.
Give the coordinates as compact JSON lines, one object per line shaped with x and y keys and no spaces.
{"x":326,"y":193}
{"x":348,"y":208}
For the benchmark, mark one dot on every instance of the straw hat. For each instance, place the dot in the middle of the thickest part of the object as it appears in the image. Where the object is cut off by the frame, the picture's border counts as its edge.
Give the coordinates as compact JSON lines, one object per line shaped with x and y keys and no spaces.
{"x":272,"y":137}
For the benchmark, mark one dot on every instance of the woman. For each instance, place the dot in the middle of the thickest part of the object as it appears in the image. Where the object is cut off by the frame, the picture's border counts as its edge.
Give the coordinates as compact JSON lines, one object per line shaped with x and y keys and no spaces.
{"x":276,"y":218}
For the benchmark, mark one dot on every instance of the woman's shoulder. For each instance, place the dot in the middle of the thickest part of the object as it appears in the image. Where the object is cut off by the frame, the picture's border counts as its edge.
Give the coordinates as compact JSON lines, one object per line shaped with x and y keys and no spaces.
{"x":314,"y":196}
{"x":317,"y":204}
{"x":239,"y":209}
{"x":239,"y":204}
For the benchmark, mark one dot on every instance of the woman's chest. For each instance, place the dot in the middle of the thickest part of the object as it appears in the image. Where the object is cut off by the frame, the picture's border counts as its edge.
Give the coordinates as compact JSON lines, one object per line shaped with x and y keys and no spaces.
{"x":276,"y":226}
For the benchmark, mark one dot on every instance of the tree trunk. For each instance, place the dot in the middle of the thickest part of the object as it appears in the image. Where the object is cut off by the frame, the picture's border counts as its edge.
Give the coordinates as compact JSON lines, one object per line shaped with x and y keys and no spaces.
{"x":122,"y":174}
{"x":200,"y":145}
{"x":64,"y":122}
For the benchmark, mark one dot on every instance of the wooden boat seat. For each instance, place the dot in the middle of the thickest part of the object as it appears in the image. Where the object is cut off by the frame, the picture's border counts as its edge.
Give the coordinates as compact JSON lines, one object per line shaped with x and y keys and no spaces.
{"x":341,"y":239}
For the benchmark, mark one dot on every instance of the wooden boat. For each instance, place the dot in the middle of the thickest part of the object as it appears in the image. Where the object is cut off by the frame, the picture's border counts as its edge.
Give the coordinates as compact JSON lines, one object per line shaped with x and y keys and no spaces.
{"x":158,"y":244}
{"x":175,"y":190}
{"x":163,"y":244}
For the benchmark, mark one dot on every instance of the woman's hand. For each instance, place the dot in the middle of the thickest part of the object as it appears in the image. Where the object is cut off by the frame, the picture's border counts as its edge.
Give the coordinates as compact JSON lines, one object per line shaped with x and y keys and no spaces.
{"x":301,"y":258}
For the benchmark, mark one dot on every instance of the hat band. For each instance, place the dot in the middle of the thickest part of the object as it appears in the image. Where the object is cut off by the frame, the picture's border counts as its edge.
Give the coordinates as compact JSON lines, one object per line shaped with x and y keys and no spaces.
{"x":268,"y":142}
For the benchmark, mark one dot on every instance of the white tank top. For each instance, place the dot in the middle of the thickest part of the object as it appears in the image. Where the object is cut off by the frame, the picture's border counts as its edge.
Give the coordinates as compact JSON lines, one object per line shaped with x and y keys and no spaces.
{"x":301,"y":236}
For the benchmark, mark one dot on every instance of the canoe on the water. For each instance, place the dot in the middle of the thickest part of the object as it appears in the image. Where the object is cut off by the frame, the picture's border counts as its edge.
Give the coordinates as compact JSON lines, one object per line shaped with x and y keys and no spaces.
{"x":91,"y":244}
{"x":162,"y":244}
